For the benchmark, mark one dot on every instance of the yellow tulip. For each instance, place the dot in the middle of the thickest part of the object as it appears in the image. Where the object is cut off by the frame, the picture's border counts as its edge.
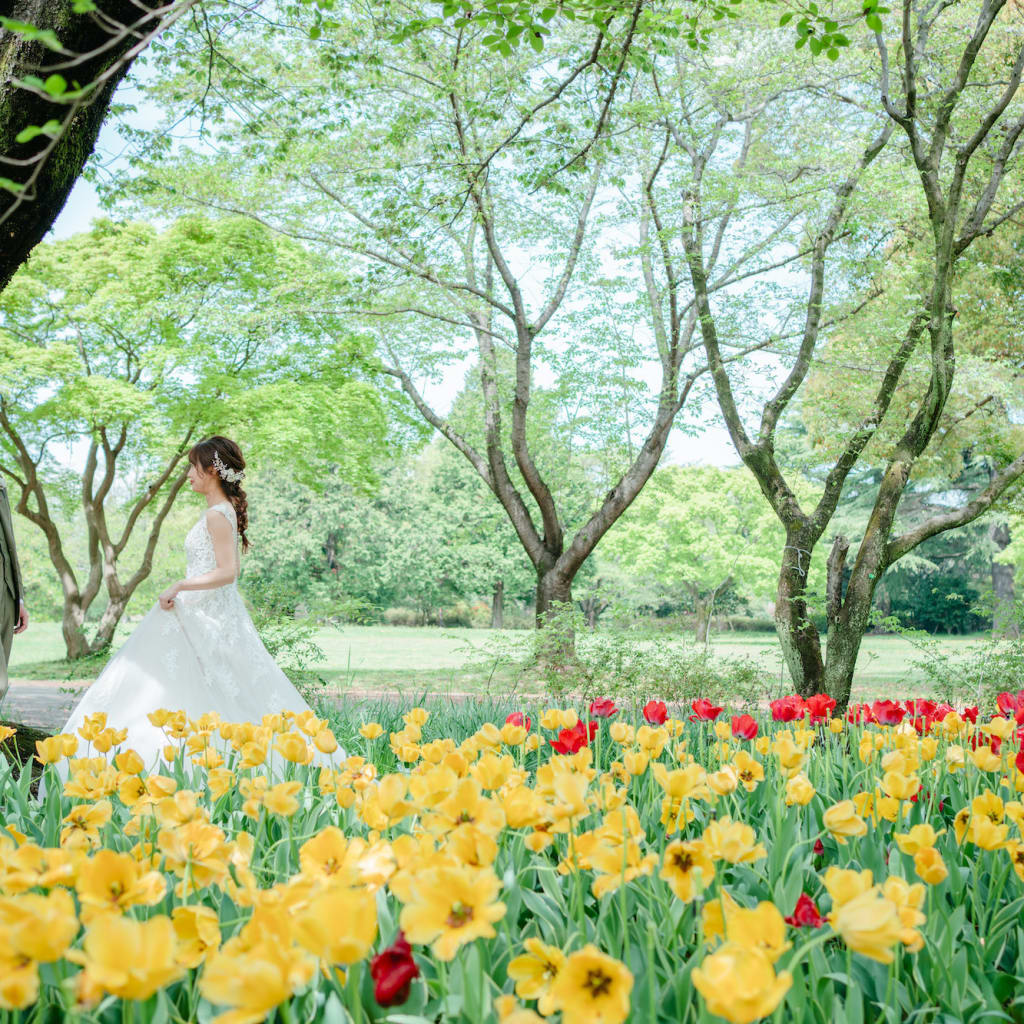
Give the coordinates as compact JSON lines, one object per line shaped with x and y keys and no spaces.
{"x":724,"y":781}
{"x":687,"y":868}
{"x":845,"y":884}
{"x":111,"y":882}
{"x":592,"y":988}
{"x":740,"y":984}
{"x":254,"y":976}
{"x":929,"y":865}
{"x":338,"y":925}
{"x":869,"y":924}
{"x":535,"y":971}
{"x":37,"y":927}
{"x":843,"y":823}
{"x":919,"y":837}
{"x":799,"y":790}
{"x":197,"y":929}
{"x":127,"y":958}
{"x":733,"y":841}
{"x":450,"y":906}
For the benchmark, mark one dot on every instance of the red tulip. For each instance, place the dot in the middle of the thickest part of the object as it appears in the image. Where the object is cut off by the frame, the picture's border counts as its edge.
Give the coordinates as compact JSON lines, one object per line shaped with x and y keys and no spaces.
{"x":603,"y":707}
{"x":970,"y":714}
{"x":392,"y":971}
{"x":788,"y":709}
{"x":518,"y":718}
{"x":1009,"y":703}
{"x":857,"y":713}
{"x":922,"y":706}
{"x":655,"y":712}
{"x":887,"y":712}
{"x":805,"y":915}
{"x":704,"y":711}
{"x":1019,"y":761}
{"x":571,"y":741}
{"x":820,"y":706}
{"x":744,"y":727}
{"x":819,"y":847}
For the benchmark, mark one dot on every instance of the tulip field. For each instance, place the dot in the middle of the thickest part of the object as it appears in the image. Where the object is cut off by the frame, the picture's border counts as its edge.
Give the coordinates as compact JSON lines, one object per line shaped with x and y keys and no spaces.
{"x":585,"y":865}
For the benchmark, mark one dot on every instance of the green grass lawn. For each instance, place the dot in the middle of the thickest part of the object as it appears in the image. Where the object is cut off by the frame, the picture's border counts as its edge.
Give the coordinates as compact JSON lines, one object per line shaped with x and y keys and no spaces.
{"x":430,"y":660}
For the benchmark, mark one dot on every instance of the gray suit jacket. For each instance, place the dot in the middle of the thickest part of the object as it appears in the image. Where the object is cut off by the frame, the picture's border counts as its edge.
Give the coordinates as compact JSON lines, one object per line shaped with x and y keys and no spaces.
{"x":10,"y":571}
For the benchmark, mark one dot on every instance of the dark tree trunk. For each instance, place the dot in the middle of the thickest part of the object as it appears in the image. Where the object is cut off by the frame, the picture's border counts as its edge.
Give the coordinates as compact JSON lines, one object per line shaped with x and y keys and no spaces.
{"x":798,"y":636}
{"x":702,"y":623}
{"x":553,"y":615}
{"x":498,"y":605}
{"x":76,"y":644}
{"x":19,"y":108}
{"x":1004,"y":611}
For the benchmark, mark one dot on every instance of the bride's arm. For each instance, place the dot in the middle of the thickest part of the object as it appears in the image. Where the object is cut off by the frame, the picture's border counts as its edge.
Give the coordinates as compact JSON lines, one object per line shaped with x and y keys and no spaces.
{"x":223,"y":550}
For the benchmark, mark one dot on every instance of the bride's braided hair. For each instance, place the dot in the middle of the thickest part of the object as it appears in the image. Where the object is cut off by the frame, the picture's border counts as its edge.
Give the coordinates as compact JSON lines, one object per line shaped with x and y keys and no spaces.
{"x":222,"y":456}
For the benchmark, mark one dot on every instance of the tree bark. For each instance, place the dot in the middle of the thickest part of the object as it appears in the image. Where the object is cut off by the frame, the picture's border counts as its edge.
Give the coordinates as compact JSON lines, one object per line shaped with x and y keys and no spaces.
{"x":1004,"y":611}
{"x":76,"y":645}
{"x":702,"y":619}
{"x":51,"y":179}
{"x":798,"y":636}
{"x":498,"y":605}
{"x":554,"y":617}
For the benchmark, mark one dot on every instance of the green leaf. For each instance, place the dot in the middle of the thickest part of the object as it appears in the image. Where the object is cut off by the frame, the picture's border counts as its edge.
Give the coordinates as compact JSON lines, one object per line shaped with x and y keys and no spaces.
{"x":832,"y":53}
{"x":786,"y":19}
{"x":11,"y":186}
{"x":35,"y":35}
{"x":83,"y":6}
{"x":56,"y":85}
{"x":874,"y":22}
{"x":51,"y":128}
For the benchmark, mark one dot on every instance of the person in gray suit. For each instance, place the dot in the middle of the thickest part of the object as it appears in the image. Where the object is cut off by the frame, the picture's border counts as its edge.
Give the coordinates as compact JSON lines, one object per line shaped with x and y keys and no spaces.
{"x":13,"y":614}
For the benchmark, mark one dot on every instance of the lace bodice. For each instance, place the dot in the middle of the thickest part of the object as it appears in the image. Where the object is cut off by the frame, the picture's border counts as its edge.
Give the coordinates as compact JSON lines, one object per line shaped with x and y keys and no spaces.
{"x":199,"y":555}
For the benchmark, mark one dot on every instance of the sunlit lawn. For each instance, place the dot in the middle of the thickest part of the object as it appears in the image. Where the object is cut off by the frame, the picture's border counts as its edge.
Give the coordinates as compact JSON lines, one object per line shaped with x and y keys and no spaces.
{"x":420,"y":660}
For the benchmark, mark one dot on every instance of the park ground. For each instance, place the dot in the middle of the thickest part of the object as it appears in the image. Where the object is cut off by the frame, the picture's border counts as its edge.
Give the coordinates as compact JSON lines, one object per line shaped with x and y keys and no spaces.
{"x":411,"y":661}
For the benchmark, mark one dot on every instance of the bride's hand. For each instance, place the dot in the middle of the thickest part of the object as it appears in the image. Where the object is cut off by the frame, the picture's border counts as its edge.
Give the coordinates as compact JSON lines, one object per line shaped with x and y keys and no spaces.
{"x":167,"y":597}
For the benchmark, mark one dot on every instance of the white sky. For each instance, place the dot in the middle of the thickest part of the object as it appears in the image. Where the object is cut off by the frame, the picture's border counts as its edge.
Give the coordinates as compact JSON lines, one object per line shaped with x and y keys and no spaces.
{"x":708,"y":445}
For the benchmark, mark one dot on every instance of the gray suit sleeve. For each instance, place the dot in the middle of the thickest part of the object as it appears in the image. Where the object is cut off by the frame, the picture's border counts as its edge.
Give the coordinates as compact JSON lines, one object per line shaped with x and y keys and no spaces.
{"x":6,"y":523}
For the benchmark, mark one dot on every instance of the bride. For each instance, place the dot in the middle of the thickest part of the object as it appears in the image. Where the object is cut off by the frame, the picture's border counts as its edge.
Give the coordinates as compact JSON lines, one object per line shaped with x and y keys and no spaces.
{"x":197,"y":649}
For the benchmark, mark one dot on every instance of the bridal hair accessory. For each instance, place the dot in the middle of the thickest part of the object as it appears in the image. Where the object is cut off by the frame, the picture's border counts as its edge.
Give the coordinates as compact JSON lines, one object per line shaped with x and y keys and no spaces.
{"x":231,"y":475}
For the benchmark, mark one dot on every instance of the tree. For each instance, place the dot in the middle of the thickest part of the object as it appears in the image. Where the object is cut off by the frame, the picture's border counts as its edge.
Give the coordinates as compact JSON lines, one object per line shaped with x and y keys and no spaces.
{"x":961,"y":132}
{"x":703,"y":528}
{"x":434,"y":224}
{"x":60,"y":64}
{"x":49,"y":125}
{"x":122,"y":346}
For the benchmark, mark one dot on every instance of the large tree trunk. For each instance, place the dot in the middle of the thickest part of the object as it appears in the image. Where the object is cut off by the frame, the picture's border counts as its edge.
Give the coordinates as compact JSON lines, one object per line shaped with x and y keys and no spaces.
{"x":1004,"y":611}
{"x":798,"y":636}
{"x":498,"y":605}
{"x":845,"y":636}
{"x":554,"y":617}
{"x":702,"y":621}
{"x":109,"y":621}
{"x":76,"y":645}
{"x":19,"y":108}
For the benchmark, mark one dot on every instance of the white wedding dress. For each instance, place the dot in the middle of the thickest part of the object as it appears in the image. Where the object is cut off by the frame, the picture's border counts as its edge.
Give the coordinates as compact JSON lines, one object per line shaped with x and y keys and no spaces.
{"x":204,"y":654}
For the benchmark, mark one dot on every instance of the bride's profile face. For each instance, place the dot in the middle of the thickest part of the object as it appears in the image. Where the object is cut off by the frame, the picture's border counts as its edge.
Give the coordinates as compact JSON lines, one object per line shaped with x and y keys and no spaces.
{"x":198,"y":478}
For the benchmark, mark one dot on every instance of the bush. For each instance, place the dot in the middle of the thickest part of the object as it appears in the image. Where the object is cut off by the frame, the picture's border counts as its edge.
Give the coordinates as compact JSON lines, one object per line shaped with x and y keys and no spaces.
{"x":630,"y":666}
{"x":458,"y":614}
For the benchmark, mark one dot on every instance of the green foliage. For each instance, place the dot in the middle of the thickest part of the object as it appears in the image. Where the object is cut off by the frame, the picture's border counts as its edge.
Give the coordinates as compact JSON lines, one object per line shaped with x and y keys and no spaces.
{"x":630,"y":665}
{"x":288,"y":639}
